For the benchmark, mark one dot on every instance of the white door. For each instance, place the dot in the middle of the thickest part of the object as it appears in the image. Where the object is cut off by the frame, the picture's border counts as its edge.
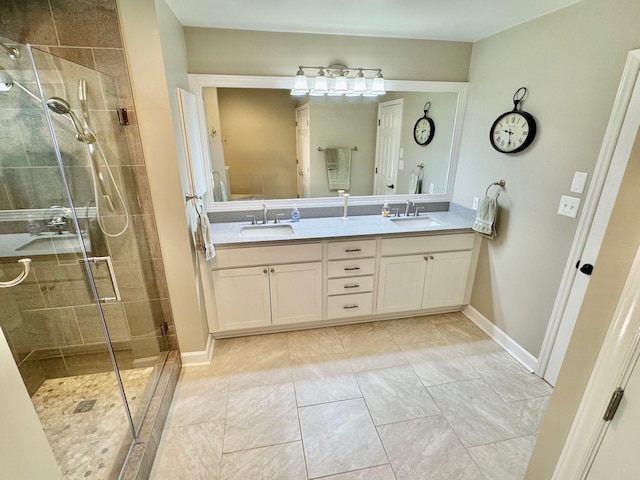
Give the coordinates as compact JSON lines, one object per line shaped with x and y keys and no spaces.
{"x":446,"y":279}
{"x":242,"y":297}
{"x":296,"y":293}
{"x":303,"y":151}
{"x":401,"y":283}
{"x":618,"y":456}
{"x":596,"y":233}
{"x":387,"y":147}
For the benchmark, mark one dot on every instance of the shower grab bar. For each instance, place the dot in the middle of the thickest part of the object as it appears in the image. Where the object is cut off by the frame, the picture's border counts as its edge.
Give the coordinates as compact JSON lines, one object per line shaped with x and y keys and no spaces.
{"x":112,"y":274}
{"x":20,"y":278}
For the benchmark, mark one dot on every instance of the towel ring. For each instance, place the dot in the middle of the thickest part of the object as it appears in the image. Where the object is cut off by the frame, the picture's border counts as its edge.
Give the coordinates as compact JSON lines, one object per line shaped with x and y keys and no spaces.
{"x":500,"y":184}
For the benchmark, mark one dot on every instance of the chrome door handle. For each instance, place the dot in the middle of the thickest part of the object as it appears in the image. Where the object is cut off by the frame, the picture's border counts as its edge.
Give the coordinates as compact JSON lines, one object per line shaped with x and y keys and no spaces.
{"x":26,"y":268}
{"x":112,"y":275}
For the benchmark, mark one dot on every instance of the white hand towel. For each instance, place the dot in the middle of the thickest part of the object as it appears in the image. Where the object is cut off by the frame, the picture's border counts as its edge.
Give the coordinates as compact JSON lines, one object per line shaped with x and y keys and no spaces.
{"x":486,"y":217}
{"x":203,"y":235}
{"x":413,"y":184}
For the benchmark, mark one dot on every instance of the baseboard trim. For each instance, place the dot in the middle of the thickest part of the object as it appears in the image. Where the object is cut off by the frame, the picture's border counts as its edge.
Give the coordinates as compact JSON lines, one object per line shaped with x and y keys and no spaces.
{"x":505,"y":341}
{"x":200,"y":358}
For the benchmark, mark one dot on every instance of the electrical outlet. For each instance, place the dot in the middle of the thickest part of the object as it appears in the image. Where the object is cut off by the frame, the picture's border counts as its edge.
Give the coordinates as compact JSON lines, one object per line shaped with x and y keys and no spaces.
{"x":569,"y":206}
{"x":431,"y":187}
{"x":401,"y":155}
{"x":476,"y":202}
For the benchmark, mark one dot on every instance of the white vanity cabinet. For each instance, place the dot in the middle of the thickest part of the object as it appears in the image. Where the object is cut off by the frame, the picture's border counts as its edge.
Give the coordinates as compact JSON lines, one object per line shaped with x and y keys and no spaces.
{"x":275,"y":292}
{"x":420,"y":273}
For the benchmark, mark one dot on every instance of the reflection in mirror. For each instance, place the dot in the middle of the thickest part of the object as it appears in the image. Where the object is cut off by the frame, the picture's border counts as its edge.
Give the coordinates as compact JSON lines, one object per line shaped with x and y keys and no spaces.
{"x":265,"y":144}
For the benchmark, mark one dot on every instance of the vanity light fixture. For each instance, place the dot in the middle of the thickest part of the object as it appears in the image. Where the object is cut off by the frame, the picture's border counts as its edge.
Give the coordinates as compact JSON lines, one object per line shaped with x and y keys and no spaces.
{"x":334,"y":81}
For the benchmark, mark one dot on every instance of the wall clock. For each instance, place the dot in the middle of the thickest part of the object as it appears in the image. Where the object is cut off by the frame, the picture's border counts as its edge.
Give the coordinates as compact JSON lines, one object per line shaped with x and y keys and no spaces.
{"x":424,"y":128}
{"x":513,"y":131}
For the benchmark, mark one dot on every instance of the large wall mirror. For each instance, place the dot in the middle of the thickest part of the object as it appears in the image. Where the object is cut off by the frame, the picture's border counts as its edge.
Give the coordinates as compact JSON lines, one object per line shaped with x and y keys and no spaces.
{"x":263,"y":145}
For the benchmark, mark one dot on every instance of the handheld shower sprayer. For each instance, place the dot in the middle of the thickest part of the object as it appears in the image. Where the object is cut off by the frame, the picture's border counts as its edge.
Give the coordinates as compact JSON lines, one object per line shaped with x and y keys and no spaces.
{"x":61,"y":107}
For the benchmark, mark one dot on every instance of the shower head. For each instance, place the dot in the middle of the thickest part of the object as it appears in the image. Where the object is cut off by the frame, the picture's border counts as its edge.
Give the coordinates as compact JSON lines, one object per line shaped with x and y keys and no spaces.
{"x":61,"y":107}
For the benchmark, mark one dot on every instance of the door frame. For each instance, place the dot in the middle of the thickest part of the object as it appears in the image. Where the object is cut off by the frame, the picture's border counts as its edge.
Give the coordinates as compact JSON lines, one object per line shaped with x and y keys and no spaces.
{"x":601,"y":194}
{"x":616,"y":360}
{"x":305,"y":183}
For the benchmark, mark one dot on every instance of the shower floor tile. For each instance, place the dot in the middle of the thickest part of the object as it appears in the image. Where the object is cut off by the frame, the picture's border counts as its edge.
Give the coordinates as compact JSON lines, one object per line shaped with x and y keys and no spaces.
{"x":90,"y":444}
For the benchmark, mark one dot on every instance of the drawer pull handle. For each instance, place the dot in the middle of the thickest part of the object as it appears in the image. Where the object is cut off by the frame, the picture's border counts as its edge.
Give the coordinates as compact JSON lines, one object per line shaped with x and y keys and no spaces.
{"x":348,"y":307}
{"x":352,"y":250}
{"x":353,"y":285}
{"x":347,"y":269}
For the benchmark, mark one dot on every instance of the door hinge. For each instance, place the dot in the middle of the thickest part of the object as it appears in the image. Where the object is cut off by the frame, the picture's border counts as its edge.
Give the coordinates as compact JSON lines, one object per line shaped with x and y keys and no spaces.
{"x":614,"y":403}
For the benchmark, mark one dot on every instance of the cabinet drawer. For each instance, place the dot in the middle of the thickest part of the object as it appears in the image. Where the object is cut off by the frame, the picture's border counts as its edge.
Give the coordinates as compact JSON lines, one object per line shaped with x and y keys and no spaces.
{"x":354,"y":305}
{"x":427,"y":244}
{"x":341,"y":286}
{"x":352,"y":249}
{"x":351,"y":268}
{"x":267,"y":255}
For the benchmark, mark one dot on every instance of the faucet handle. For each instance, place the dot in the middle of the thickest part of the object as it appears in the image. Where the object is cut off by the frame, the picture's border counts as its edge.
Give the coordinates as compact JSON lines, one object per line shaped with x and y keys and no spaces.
{"x":417,"y":211}
{"x":277,"y":217}
{"x":397,"y":212}
{"x":253,"y":219}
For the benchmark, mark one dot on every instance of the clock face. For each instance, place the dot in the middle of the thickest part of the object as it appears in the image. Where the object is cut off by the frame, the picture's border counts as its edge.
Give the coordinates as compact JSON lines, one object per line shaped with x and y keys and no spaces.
{"x":512,"y":132}
{"x":423,"y":131}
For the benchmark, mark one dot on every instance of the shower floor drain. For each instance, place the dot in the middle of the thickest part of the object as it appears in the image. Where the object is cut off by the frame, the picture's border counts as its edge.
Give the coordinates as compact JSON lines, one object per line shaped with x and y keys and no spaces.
{"x":85,"y":406}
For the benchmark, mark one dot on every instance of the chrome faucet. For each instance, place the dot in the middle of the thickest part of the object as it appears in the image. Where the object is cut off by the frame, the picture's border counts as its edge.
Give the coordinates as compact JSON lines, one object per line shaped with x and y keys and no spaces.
{"x":408,"y":204}
{"x":264,"y":214}
{"x":57,"y":218}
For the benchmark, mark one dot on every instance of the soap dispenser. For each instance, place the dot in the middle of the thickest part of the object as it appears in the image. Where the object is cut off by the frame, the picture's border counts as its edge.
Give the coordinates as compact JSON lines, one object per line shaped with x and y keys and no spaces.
{"x":295,"y":214}
{"x":385,"y":208}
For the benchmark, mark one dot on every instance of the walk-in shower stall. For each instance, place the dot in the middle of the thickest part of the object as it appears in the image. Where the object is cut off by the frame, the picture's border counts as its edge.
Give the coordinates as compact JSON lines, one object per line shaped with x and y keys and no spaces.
{"x":83,"y":303}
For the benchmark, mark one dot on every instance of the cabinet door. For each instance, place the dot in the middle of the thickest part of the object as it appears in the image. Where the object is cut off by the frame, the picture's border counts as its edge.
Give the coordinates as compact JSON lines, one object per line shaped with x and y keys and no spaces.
{"x":446,"y":279}
{"x":296,"y":293}
{"x":242,"y":297}
{"x":401,"y":283}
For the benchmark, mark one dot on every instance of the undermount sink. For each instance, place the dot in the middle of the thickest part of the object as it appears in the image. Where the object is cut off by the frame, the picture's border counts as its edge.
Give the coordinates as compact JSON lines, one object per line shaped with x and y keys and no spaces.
{"x":61,"y":244}
{"x":279,"y":230}
{"x":415,"y":222}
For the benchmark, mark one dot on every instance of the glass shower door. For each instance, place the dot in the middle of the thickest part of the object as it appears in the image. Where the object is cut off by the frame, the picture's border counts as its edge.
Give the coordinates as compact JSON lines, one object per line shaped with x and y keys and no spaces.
{"x":86,"y":326}
{"x":52,"y":319}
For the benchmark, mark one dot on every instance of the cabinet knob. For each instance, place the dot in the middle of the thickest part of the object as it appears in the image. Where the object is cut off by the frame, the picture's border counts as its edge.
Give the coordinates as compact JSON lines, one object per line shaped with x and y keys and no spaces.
{"x":426,"y":257}
{"x":430,"y":257}
{"x":265,"y":271}
{"x":273,"y":270}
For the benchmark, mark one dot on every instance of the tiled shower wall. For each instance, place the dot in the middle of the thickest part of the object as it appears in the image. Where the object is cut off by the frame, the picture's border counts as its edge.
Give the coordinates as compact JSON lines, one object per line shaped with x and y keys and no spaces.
{"x":50,"y":321}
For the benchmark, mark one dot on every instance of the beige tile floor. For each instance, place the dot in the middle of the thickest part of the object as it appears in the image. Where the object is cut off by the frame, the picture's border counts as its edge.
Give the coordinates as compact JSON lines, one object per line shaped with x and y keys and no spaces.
{"x":423,"y":398}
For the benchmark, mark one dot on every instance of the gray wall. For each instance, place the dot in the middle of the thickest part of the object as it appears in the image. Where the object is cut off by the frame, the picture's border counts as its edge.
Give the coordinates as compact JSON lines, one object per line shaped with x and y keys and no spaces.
{"x":243,"y":52}
{"x":571,"y":62}
{"x":343,"y":122}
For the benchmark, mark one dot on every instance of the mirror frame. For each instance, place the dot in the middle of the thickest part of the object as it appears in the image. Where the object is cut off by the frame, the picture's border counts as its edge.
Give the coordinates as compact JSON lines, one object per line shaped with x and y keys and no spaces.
{"x":200,"y":81}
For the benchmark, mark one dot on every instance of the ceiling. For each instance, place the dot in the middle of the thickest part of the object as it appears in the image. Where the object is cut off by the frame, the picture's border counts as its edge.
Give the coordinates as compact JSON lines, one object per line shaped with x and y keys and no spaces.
{"x":456,"y":20}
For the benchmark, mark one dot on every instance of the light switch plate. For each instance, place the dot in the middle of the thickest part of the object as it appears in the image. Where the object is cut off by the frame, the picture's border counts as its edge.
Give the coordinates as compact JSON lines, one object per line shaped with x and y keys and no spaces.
{"x":400,"y":164}
{"x":401,"y":152}
{"x":431,"y":187}
{"x":579,"y":181}
{"x":569,"y":206}
{"x":476,"y":202}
